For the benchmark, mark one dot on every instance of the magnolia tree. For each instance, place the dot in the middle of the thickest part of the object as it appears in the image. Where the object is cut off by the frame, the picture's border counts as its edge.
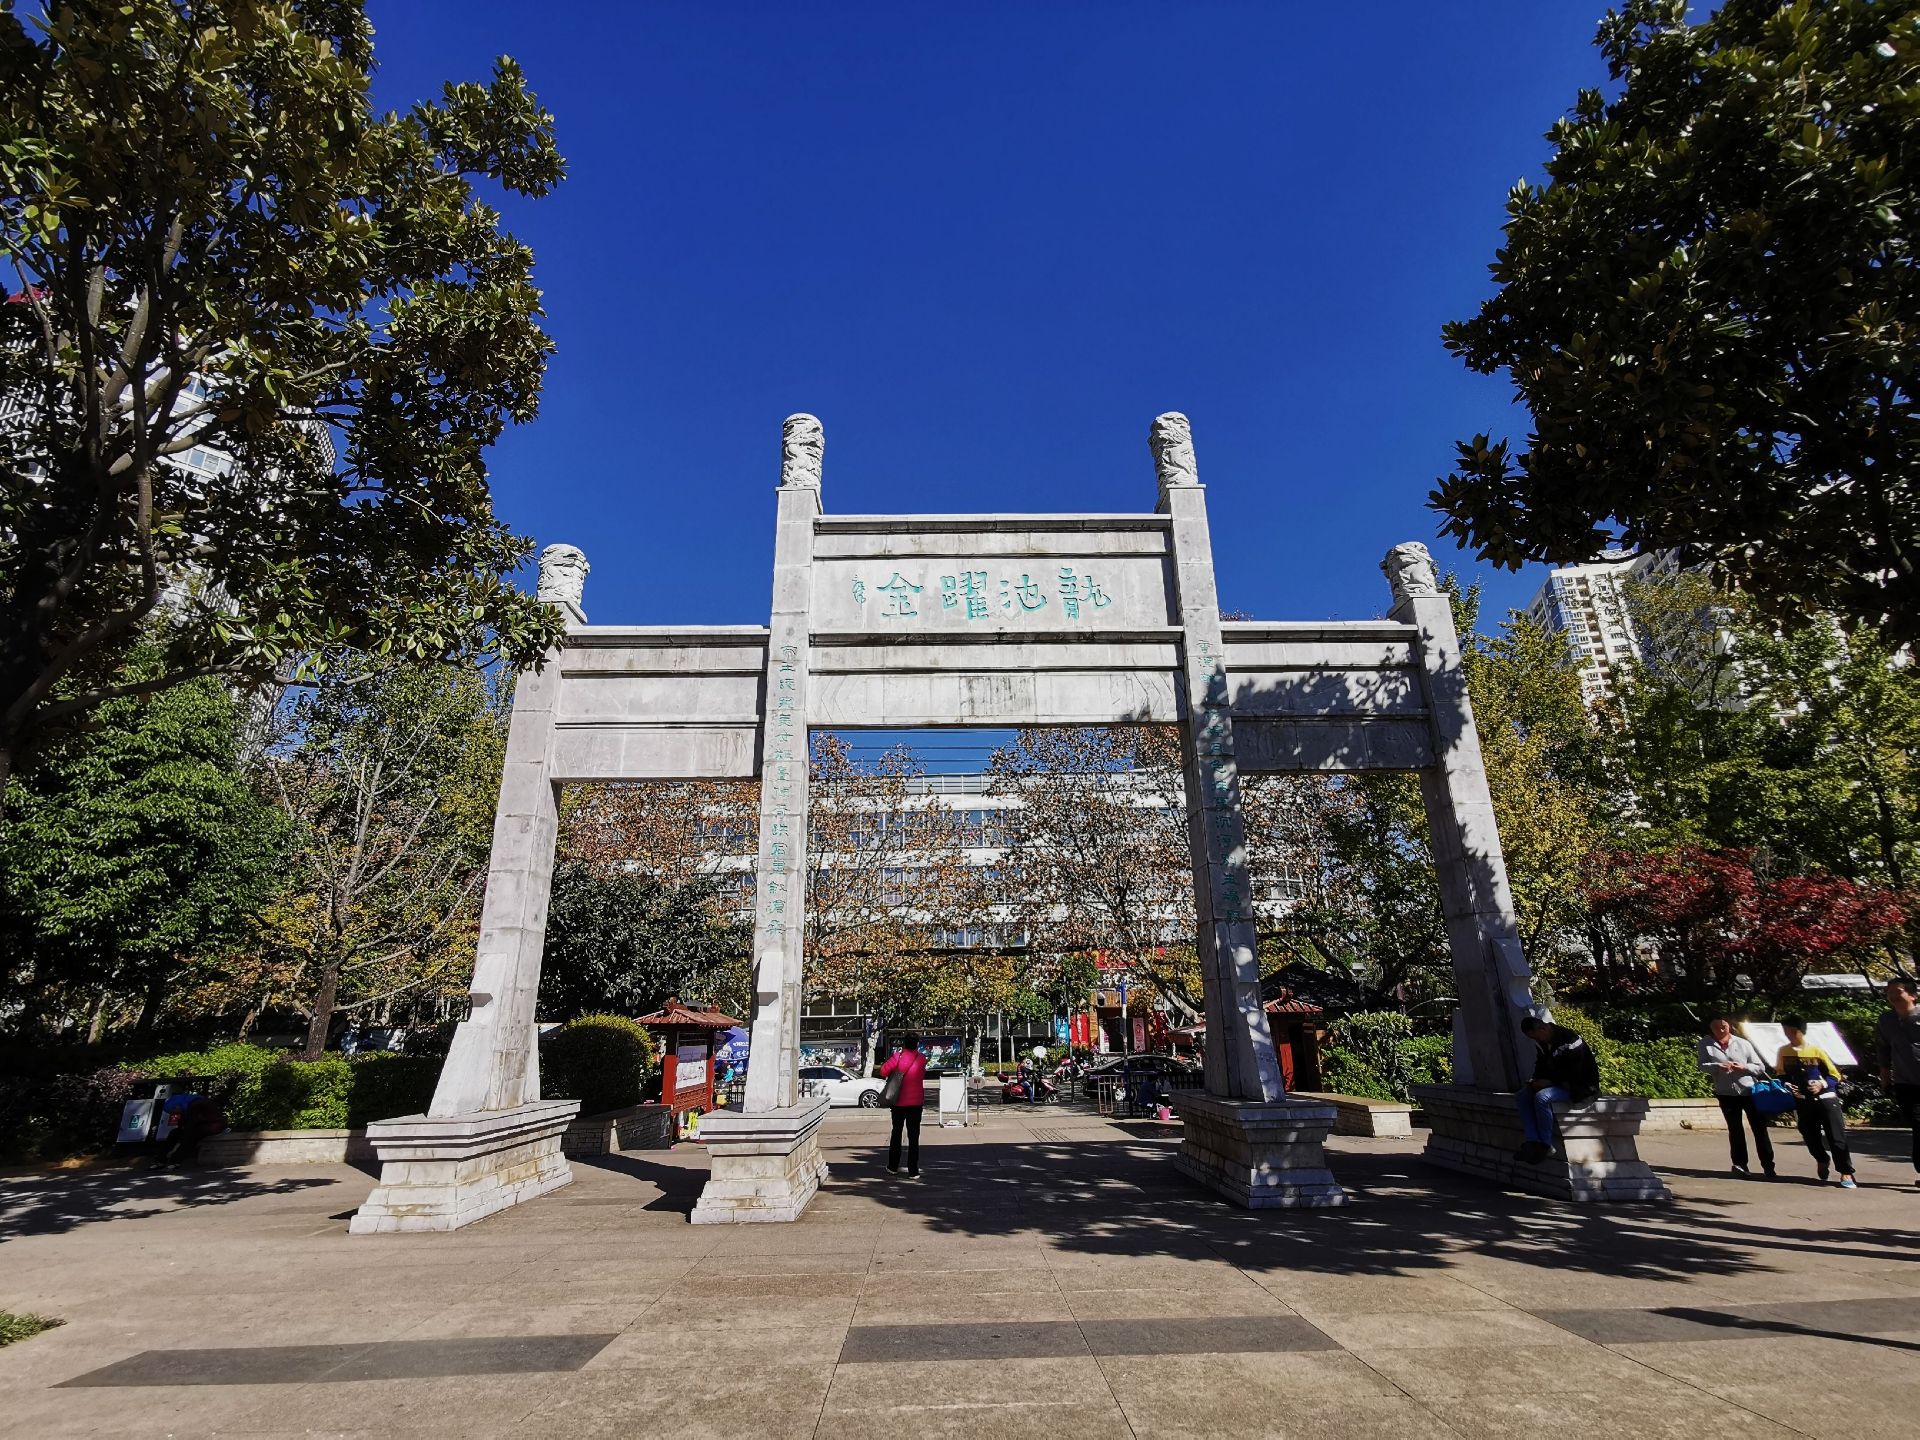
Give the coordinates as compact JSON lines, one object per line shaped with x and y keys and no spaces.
{"x":388,"y":784}
{"x":212,"y":240}
{"x":1707,"y":310}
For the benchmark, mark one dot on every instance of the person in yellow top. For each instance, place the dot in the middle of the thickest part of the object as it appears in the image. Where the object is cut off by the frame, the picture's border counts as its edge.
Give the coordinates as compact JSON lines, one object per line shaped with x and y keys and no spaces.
{"x":1816,"y":1084}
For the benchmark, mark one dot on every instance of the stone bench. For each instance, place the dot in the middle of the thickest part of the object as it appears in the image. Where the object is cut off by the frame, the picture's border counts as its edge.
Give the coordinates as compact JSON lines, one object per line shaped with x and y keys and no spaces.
{"x":638,"y":1127}
{"x":288,"y":1147}
{"x":1363,"y":1115}
{"x":1670,"y":1117}
{"x":1477,"y":1132}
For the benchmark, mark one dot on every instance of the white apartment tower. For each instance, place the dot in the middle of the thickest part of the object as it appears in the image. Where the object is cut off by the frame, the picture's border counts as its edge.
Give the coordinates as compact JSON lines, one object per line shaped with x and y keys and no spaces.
{"x":1587,"y":605}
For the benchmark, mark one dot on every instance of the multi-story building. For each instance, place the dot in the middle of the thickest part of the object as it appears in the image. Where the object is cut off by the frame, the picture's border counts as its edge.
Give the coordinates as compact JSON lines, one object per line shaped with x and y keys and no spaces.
{"x":837,"y":1029}
{"x":1587,"y":604}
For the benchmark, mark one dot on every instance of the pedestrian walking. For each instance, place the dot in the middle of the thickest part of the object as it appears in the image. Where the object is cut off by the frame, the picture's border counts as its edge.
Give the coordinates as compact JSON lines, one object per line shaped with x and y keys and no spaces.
{"x":1733,"y":1064}
{"x":195,"y":1118}
{"x":1896,"y":1039}
{"x":909,"y":1067}
{"x":1564,"y":1068}
{"x":1816,"y":1086}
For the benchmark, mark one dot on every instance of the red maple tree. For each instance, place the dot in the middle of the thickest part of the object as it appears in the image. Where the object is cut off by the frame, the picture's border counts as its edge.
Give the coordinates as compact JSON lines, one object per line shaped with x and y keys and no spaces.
{"x":1723,"y":925}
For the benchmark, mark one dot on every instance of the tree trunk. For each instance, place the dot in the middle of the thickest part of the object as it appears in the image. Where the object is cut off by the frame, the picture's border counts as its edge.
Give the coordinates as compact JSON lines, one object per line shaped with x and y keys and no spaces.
{"x":97,"y":1022}
{"x":246,"y":1025}
{"x":322,"y":1020}
{"x":149,"y":1009}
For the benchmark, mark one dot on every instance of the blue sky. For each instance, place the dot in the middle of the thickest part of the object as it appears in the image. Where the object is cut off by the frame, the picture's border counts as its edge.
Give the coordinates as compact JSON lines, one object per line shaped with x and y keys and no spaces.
{"x":986,"y":245}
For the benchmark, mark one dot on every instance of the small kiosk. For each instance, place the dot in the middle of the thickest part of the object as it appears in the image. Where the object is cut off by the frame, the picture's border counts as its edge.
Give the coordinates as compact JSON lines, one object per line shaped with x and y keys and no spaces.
{"x":686,"y":1036}
{"x":1297,"y":1026}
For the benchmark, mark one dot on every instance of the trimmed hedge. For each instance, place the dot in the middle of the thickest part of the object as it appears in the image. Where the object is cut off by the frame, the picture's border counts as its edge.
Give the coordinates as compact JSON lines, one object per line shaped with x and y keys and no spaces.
{"x":263,"y":1090}
{"x":603,"y":1061}
{"x":55,"y":1116}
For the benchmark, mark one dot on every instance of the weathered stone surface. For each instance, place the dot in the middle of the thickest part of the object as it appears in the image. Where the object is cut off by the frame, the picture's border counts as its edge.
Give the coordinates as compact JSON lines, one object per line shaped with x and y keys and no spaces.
{"x":563,"y":579}
{"x":1241,"y":1060}
{"x":1478,"y":1132}
{"x":440,"y":1173}
{"x":1363,"y":1115}
{"x":1260,"y":1155}
{"x":288,"y":1147}
{"x":766,"y":1165}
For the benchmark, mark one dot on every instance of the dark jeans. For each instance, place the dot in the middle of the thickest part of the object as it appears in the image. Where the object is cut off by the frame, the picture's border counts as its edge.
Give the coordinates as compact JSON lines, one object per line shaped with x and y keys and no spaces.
{"x":1734,"y":1107}
{"x":905,"y":1117}
{"x":1907,"y":1097}
{"x":1823,"y":1125}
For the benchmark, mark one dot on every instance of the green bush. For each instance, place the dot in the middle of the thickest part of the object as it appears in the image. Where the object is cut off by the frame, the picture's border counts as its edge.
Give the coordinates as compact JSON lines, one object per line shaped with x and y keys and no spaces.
{"x":1344,"y":1073}
{"x":386,"y":1085}
{"x":1662,"y":1070}
{"x":264,"y":1090}
{"x":1430,"y":1059}
{"x":1376,"y":1041}
{"x":603,"y":1061}
{"x":62,"y":1114}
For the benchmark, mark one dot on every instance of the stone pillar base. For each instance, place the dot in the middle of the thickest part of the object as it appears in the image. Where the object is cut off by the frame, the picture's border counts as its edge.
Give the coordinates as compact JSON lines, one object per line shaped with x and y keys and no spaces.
{"x":766,"y":1164}
{"x":442,"y":1172}
{"x":1477,"y":1132}
{"x":1261,"y":1155}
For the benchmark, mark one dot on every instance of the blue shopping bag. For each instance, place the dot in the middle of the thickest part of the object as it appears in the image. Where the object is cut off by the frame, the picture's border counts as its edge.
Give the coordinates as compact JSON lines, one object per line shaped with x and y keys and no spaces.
{"x":1771,"y":1097}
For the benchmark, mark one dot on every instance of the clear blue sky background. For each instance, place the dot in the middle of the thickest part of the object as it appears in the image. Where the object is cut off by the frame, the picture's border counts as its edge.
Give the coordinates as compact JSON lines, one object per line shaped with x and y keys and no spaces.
{"x":986,"y":244}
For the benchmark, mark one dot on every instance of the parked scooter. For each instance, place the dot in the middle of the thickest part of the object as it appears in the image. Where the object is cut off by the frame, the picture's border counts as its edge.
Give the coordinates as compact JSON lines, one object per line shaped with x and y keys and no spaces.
{"x":1020,"y":1089}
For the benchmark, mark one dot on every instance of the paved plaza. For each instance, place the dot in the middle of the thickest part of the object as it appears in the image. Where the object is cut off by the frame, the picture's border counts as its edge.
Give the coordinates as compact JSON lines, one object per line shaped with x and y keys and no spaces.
{"x":1052,"y":1276}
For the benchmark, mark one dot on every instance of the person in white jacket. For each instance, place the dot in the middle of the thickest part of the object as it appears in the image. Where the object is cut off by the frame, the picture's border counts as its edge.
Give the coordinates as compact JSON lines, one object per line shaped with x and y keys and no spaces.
{"x":1733,"y":1064}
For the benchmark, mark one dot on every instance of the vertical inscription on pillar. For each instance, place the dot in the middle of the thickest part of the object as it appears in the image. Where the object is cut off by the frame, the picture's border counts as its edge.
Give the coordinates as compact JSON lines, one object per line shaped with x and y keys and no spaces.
{"x":780,"y":895}
{"x":1241,"y":1062}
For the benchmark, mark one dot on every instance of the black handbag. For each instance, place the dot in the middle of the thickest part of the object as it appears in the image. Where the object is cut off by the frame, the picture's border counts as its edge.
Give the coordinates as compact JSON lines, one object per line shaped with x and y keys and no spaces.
{"x":890,"y":1092}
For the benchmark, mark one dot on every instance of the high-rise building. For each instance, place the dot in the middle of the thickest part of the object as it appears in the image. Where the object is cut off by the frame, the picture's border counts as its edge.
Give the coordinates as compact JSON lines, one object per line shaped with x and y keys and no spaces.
{"x":1586,"y":603}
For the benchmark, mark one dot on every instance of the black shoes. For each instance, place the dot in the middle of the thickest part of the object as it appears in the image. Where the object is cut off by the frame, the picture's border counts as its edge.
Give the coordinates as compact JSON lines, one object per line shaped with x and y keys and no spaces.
{"x":1533,"y":1152}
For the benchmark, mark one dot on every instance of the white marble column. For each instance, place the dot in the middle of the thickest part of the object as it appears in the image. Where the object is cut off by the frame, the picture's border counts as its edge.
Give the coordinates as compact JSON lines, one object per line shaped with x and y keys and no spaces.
{"x":773,"y":1060}
{"x":488,"y":1140}
{"x":1491,"y":976}
{"x":493,"y":1062}
{"x":1241,"y":1062}
{"x":764,"y":1159}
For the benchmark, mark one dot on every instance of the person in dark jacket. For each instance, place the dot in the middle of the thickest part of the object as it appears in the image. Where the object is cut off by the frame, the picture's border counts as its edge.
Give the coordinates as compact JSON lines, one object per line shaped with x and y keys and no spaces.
{"x":1564,"y":1069}
{"x":1896,"y":1043}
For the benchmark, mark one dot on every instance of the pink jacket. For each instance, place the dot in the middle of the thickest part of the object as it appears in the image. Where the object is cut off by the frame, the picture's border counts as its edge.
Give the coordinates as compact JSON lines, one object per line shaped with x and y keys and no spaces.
{"x":912,"y":1067}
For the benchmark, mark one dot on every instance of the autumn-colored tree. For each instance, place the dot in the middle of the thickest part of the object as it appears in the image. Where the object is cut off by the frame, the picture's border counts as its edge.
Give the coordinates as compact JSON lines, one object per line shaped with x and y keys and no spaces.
{"x":1097,"y":851}
{"x":1722,"y":925}
{"x":388,"y":781}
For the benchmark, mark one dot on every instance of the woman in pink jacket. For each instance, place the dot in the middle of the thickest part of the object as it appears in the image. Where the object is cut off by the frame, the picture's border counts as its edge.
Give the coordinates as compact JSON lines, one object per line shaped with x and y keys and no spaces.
{"x":911,"y":1066}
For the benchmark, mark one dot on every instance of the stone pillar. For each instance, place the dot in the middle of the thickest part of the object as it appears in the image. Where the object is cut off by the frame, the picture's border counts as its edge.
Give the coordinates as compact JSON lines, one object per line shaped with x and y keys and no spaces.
{"x":1475,"y":1123}
{"x":487,"y":1140}
{"x":1491,"y":978}
{"x":766,"y":1162}
{"x":1244,"y":1137}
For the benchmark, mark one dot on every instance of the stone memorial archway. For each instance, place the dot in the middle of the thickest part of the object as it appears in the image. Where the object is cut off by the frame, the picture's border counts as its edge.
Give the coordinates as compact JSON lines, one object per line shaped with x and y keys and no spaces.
{"x":899,"y":621}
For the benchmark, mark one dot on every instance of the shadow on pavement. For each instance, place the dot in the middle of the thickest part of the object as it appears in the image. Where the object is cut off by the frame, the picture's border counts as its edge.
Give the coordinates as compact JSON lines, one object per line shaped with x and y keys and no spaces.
{"x":679,"y":1185}
{"x":1126,"y":1199}
{"x":55,"y":1201}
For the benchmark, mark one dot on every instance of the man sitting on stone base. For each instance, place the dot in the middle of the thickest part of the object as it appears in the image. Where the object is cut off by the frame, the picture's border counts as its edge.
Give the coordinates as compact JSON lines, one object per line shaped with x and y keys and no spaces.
{"x":1564,"y":1069}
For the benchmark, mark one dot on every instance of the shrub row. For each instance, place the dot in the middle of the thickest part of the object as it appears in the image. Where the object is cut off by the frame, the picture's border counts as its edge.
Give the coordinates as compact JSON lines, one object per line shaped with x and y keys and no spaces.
{"x":1375,"y":1053}
{"x":603,"y":1061}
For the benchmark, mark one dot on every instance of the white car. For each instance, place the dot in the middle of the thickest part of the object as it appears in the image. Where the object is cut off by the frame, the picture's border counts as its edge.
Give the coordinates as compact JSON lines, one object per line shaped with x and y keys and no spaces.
{"x":841,"y":1087}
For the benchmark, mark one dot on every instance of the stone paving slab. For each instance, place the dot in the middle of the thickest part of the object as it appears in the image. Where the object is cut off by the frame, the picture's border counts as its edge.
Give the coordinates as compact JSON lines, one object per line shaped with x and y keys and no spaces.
{"x":1030,"y":1286}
